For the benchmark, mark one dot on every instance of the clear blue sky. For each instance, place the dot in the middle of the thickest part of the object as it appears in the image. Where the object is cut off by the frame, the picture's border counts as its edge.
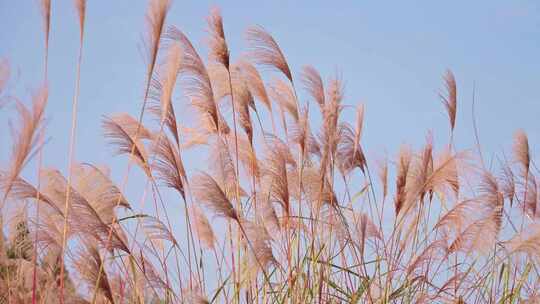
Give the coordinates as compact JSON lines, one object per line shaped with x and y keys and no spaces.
{"x":391,"y":55}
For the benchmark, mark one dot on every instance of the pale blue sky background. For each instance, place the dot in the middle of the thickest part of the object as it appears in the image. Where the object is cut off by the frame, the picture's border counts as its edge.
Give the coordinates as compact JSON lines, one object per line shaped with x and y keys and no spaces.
{"x":392,"y":56}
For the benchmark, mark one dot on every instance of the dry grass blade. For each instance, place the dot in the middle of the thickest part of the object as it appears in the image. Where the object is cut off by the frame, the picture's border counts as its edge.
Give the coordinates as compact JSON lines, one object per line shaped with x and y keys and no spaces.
{"x":208,"y":192}
{"x":125,"y":133}
{"x":265,"y":51}
{"x":449,"y":98}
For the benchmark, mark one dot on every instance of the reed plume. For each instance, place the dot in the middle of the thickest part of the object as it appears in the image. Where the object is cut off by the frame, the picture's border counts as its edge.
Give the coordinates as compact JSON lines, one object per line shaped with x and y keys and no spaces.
{"x":282,"y":93}
{"x":125,"y":133}
{"x":219,"y":51}
{"x":163,"y":87}
{"x":301,"y":134}
{"x":314,"y":85}
{"x":95,"y":185}
{"x":275,"y":172}
{"x":23,"y":190}
{"x":80,"y":7}
{"x":45,"y":8}
{"x":265,"y":51}
{"x":449,"y":98}
{"x":169,"y":166}
{"x":255,"y":83}
{"x":349,"y":153}
{"x":224,"y":168}
{"x":155,"y":24}
{"x":202,"y":227}
{"x":404,"y":163}
{"x":508,"y":183}
{"x":88,"y":264}
{"x":521,"y":151}
{"x":383,"y":176}
{"x":208,"y":192}
{"x":25,"y":138}
{"x":196,"y":81}
{"x":156,"y":230}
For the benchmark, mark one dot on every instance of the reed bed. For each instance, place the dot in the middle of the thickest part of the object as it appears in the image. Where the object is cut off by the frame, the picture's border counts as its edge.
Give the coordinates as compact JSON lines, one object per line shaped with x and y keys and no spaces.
{"x":282,"y":206}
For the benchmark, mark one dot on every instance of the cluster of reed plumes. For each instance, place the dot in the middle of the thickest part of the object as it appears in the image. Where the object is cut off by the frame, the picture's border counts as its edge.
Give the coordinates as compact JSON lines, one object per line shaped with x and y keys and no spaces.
{"x":301,"y":217}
